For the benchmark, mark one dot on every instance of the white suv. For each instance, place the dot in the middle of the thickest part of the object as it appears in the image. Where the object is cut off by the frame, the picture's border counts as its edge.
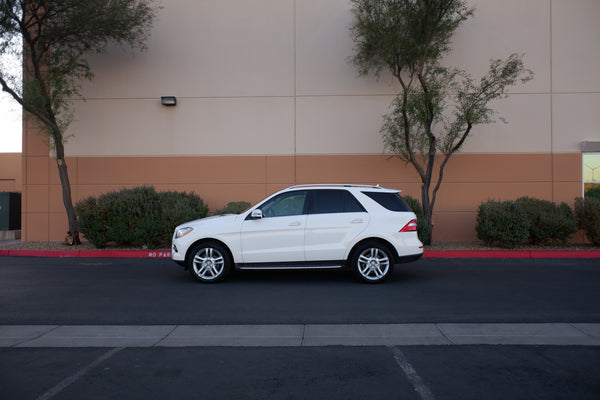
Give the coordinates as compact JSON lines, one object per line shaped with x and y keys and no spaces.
{"x":365,"y":228}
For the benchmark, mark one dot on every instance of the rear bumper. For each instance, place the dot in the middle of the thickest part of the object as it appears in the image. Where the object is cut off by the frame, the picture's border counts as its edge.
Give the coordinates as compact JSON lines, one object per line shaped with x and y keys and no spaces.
{"x":407,"y":259}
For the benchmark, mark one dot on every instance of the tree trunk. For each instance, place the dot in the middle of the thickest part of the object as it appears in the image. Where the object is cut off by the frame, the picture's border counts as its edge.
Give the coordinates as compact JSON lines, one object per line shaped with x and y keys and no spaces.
{"x":66,"y":194}
{"x":427,"y":212}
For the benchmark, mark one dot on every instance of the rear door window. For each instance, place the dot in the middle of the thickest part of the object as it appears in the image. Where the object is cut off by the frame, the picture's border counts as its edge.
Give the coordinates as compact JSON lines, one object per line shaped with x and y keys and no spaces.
{"x":327,"y":201}
{"x":389,"y":201}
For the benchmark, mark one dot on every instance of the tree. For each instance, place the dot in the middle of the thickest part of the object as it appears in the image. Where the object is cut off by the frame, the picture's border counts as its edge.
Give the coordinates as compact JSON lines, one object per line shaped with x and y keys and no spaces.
{"x":437,"y":107}
{"x":57,"y":36}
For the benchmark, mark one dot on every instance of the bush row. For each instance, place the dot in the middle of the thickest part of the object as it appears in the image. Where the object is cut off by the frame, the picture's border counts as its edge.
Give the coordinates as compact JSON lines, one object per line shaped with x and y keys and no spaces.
{"x":143,"y":216}
{"x":527,"y":220}
{"x":136,"y":216}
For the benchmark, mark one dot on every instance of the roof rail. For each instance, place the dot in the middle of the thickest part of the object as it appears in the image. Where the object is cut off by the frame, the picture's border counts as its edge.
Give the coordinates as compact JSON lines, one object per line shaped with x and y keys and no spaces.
{"x":336,"y":185}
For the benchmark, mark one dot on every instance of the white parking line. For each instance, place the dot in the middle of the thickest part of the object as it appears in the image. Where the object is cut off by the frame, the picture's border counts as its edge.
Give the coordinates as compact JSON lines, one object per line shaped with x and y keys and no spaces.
{"x":411,"y":374}
{"x":73,"y":378}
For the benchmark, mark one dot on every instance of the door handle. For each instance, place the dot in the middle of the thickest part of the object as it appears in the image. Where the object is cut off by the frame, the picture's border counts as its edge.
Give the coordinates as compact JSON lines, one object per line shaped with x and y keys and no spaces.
{"x":295,"y":223}
{"x":357,"y":221}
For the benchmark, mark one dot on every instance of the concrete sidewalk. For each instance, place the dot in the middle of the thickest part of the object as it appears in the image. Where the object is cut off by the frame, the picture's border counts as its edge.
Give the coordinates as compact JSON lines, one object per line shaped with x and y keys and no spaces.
{"x":556,"y":334}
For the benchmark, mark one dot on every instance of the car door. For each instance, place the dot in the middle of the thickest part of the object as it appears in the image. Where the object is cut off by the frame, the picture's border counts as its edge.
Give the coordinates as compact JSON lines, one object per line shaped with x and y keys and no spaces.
{"x":334,"y":220}
{"x":279,"y":235}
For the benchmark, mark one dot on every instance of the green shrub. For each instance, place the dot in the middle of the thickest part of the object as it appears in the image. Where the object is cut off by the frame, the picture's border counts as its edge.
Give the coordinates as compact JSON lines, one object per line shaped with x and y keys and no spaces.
{"x":587,"y":212}
{"x":423,"y":228}
{"x":593,"y":192}
{"x":234,"y":207}
{"x":548,"y":222}
{"x":133,"y":216}
{"x":136,"y":216}
{"x":502,"y":223}
{"x":91,"y":221}
{"x":179,"y":207}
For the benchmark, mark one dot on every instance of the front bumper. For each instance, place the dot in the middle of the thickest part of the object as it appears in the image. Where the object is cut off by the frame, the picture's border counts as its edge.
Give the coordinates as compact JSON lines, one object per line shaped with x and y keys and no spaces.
{"x":177,"y":256}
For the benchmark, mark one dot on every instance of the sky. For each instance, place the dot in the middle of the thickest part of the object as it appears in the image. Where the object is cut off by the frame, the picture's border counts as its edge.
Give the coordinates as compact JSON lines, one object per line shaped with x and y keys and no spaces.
{"x":10,"y":125}
{"x":10,"y":110}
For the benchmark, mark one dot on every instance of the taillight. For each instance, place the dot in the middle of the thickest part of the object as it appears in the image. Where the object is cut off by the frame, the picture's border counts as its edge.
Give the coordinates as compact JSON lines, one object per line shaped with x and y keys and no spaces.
{"x":410,"y":227}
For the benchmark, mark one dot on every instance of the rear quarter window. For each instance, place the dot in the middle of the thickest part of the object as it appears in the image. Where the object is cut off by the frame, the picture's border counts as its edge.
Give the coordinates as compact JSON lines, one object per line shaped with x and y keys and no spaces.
{"x":389,"y":201}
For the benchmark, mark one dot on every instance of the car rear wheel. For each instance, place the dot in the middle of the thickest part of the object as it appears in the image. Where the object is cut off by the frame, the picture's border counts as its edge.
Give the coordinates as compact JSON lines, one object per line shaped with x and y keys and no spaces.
{"x":209,"y":262}
{"x":372,"y":262}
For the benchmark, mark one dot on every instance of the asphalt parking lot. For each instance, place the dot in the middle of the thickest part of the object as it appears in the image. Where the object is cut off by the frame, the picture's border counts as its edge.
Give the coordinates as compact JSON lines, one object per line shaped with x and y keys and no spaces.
{"x":338,"y":372}
{"x":439,"y":329}
{"x":96,"y":291}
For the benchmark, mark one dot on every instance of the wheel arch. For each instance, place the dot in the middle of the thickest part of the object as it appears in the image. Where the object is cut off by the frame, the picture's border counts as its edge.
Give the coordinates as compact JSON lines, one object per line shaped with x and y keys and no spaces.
{"x":202,"y":241}
{"x":378,"y":240}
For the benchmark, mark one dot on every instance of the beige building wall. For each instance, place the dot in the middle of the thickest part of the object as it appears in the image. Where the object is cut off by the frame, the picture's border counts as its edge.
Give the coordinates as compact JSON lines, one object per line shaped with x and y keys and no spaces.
{"x":10,"y":172}
{"x":266,"y":99}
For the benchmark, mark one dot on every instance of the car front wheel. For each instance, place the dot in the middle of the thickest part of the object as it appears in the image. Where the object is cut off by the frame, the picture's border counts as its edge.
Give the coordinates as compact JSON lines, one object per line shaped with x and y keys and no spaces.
{"x":209,"y":262}
{"x":372,"y":262}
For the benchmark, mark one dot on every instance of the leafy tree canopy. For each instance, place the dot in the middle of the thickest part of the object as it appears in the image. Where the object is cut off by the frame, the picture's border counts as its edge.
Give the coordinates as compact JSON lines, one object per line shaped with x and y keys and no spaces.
{"x":57,"y":36}
{"x":437,"y":106}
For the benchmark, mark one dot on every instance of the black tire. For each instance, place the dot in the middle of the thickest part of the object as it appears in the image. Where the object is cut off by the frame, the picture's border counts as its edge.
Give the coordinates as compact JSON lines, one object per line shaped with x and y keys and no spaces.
{"x":372,"y":262}
{"x":209,"y":262}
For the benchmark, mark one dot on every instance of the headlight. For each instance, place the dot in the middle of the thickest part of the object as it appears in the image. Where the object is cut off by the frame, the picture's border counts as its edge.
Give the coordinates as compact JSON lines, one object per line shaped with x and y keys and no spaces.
{"x":181,"y":232}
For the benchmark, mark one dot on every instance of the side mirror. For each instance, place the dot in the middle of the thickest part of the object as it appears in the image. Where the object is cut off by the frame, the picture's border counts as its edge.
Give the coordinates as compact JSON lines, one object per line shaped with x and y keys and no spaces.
{"x":256,"y":214}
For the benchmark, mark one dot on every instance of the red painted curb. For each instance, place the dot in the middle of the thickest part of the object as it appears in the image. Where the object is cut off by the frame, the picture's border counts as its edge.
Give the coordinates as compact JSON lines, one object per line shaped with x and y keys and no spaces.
{"x":566,"y":254}
{"x":427,"y":253}
{"x":88,"y":253}
{"x":475,"y":254}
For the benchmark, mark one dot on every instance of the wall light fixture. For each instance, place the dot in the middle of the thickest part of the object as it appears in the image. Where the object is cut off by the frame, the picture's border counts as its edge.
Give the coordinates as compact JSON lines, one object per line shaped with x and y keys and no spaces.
{"x":168,"y":100}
